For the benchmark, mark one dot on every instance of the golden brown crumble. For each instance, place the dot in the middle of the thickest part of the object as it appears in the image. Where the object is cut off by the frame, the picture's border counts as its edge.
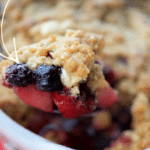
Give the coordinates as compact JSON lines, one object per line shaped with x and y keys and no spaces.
{"x":75,"y":53}
{"x":144,"y":83}
{"x":96,"y":78}
{"x":140,"y":109}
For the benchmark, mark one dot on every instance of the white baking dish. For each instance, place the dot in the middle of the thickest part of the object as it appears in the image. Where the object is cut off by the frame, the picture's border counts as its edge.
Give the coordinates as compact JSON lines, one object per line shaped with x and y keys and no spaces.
{"x":17,"y":137}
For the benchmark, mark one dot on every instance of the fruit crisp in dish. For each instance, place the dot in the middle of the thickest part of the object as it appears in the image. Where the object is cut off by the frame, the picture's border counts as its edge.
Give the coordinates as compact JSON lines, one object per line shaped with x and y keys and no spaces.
{"x":125,"y":27}
{"x":61,"y":71}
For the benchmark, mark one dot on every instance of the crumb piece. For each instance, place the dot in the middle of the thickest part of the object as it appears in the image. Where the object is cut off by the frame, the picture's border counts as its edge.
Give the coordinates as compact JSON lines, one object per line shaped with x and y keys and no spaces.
{"x":95,"y":78}
{"x":144,"y":83}
{"x":140,"y":109}
{"x":41,"y":51}
{"x":102,"y":120}
{"x":127,"y":91}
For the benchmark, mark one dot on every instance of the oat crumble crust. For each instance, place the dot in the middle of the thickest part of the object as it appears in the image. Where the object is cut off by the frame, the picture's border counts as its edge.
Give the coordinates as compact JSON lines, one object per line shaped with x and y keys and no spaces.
{"x":74,"y":53}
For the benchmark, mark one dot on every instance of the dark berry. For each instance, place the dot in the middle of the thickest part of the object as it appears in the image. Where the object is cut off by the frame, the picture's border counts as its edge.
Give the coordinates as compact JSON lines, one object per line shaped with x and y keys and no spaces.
{"x":49,"y":55}
{"x":85,"y":93}
{"x":124,"y":118}
{"x":19,"y":75}
{"x":109,"y":75}
{"x":47,"y":78}
{"x":69,"y":124}
{"x":90,"y":131}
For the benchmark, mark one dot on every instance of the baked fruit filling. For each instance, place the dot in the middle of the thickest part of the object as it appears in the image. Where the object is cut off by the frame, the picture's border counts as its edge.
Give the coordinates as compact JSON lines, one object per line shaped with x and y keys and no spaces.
{"x":61,"y":70}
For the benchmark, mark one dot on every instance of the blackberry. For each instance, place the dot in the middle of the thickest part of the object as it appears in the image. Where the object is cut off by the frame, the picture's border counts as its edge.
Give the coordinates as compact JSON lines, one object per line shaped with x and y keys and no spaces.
{"x":19,"y":75}
{"x":47,"y":78}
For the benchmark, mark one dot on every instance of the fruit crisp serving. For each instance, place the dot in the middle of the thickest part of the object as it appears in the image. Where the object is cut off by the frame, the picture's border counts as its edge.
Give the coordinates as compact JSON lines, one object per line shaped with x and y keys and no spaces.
{"x":61,"y":70}
{"x":83,"y":71}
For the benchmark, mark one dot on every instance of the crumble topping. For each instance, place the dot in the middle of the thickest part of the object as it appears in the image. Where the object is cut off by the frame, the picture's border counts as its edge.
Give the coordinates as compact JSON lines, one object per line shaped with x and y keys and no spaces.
{"x":96,"y":78}
{"x":143,"y":83}
{"x":74,"y":53}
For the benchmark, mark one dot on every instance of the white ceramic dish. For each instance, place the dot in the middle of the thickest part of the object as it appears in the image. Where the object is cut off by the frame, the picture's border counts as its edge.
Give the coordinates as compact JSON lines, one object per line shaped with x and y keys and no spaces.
{"x":17,"y":137}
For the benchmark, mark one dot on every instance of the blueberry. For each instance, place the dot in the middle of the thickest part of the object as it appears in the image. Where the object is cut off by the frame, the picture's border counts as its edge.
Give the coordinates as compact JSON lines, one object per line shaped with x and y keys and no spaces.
{"x":47,"y":78}
{"x":19,"y":75}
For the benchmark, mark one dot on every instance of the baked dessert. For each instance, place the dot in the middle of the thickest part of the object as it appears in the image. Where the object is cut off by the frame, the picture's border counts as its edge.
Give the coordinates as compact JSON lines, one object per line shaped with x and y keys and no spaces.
{"x":61,"y":71}
{"x":125,"y":27}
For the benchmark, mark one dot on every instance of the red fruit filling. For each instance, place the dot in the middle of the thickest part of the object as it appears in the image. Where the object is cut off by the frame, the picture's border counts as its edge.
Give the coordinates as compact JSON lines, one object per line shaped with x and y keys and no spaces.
{"x":67,"y":104}
{"x":106,"y":96}
{"x":5,"y":83}
{"x":33,"y":97}
{"x":42,"y":88}
{"x":70,"y":107}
